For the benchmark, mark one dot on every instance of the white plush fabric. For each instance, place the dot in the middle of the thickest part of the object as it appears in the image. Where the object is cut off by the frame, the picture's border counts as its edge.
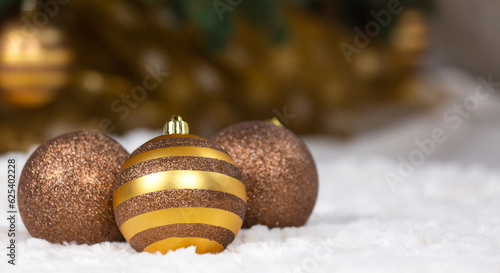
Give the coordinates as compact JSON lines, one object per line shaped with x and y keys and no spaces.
{"x":443,"y":218}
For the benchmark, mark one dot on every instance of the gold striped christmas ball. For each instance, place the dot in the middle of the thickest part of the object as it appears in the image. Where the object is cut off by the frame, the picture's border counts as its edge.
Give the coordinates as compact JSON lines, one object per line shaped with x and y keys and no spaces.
{"x":179,"y":190}
{"x":34,"y":64}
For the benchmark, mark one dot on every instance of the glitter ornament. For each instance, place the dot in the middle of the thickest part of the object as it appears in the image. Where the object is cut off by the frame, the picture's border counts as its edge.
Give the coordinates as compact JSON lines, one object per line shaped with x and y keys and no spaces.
{"x":66,"y":187}
{"x":278,"y":171}
{"x":179,"y":190}
{"x":34,"y":64}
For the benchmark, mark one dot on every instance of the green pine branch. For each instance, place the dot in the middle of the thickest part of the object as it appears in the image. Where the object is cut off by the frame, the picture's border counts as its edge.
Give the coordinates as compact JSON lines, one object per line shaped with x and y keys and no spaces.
{"x":9,"y":8}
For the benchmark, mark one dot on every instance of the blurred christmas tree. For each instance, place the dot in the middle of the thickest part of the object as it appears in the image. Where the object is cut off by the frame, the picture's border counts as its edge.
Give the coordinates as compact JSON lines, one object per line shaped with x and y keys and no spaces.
{"x":119,"y":64}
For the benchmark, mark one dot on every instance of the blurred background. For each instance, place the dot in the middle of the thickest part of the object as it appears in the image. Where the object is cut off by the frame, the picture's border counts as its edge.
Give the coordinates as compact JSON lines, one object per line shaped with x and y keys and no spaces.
{"x":365,"y":76}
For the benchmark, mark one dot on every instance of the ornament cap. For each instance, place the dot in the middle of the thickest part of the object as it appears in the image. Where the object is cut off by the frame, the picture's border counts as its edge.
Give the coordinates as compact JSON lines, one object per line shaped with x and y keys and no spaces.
{"x":275,"y":121}
{"x":176,"y":126}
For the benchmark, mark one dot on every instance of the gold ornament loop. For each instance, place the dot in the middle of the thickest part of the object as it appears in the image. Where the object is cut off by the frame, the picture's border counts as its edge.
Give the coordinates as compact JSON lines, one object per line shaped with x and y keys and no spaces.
{"x":275,"y":121}
{"x":176,"y":126}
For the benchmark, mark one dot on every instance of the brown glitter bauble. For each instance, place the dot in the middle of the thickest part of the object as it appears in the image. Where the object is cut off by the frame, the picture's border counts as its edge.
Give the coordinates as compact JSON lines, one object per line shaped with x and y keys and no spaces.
{"x":179,"y":190}
{"x":278,"y":171}
{"x":65,"y":189}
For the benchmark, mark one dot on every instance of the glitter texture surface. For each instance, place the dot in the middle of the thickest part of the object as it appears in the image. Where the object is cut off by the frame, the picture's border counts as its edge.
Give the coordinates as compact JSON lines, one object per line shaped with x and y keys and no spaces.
{"x":278,"y":171}
{"x":179,"y":198}
{"x":165,"y":199}
{"x":177,"y":142}
{"x":65,"y":189}
{"x":177,"y":163}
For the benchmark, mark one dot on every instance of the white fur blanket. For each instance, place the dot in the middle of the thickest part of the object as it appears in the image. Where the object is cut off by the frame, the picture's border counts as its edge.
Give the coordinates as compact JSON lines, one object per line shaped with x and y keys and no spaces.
{"x":443,"y":218}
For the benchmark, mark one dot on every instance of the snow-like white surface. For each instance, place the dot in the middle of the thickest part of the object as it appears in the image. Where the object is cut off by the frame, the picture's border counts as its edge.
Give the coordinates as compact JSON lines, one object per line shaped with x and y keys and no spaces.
{"x":443,"y":217}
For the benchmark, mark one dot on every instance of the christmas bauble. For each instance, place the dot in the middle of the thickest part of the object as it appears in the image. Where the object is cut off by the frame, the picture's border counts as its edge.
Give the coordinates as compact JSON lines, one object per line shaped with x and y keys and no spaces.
{"x":278,"y":170}
{"x":179,"y":190}
{"x":34,"y":64}
{"x":65,"y":189}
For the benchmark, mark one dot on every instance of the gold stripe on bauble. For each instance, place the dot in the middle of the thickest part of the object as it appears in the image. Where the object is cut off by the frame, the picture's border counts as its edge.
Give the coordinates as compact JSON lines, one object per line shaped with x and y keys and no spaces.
{"x":178,"y":151}
{"x":179,"y":179}
{"x":202,"y":245}
{"x":46,"y":57}
{"x":39,"y":78}
{"x":184,"y":215}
